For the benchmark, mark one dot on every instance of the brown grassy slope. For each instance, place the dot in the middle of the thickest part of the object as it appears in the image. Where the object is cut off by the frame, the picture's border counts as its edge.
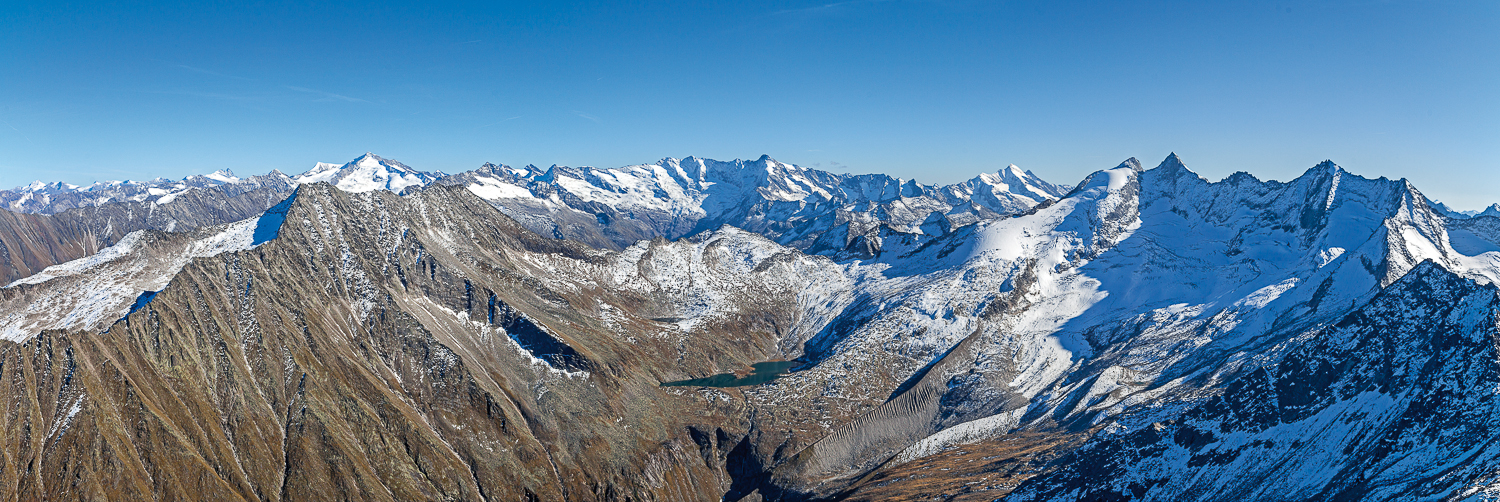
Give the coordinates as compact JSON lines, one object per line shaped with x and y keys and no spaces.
{"x":981,"y":471}
{"x":329,"y":364}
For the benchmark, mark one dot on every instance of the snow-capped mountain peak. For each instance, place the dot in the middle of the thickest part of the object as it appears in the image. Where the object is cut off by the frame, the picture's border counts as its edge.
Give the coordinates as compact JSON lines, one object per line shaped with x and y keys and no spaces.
{"x":222,"y":176}
{"x":1171,"y":162}
{"x":1493,"y":210}
{"x":44,"y":187}
{"x":51,"y":198}
{"x":367,"y":172}
{"x":1027,"y":184}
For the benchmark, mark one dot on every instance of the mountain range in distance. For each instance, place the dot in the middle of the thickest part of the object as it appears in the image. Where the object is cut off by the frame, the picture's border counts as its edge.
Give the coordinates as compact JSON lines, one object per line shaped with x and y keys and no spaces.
{"x":372,"y":331}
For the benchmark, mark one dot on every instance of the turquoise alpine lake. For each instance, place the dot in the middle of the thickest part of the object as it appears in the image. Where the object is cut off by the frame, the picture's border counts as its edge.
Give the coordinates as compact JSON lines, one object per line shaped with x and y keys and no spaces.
{"x":763,"y":372}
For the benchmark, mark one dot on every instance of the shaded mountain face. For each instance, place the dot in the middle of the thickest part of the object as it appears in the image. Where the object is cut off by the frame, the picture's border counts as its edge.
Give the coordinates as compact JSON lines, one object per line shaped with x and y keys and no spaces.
{"x":1147,"y":334}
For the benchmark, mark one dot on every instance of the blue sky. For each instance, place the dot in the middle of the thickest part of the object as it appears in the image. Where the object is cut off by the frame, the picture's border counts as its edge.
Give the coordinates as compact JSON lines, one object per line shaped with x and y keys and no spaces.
{"x":932,"y":90}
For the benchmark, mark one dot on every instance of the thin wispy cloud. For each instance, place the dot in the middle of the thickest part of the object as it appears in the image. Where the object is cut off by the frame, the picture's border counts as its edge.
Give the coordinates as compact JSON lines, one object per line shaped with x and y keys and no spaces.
{"x":498,"y":122}
{"x":587,"y":116}
{"x":212,"y":95}
{"x":801,"y":18}
{"x":18,"y":130}
{"x":204,"y":71}
{"x":324,"y":95}
{"x":826,"y":8}
{"x":195,"y":69}
{"x":328,"y":96}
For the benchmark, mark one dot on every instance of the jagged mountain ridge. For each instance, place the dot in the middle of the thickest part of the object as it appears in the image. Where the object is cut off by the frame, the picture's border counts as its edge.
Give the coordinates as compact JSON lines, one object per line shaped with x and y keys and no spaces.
{"x":1110,"y":309}
{"x":816,"y":211}
{"x":1175,"y":324}
{"x":57,"y":197}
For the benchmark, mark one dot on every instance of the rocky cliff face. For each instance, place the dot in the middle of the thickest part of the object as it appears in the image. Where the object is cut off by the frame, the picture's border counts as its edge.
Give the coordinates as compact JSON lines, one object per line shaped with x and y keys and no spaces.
{"x":1145,"y":335}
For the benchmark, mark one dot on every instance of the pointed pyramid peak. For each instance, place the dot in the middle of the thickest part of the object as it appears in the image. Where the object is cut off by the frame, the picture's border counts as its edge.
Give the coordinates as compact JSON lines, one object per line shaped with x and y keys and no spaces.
{"x":547,"y":176}
{"x":1493,"y":210}
{"x":1172,"y":161}
{"x":1324,"y":169}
